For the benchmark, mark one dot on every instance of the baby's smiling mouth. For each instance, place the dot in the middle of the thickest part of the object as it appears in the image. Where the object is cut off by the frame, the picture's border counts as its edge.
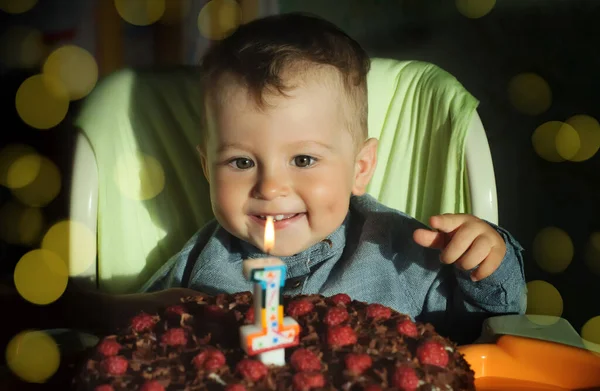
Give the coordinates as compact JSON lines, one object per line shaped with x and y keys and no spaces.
{"x":278,"y":217}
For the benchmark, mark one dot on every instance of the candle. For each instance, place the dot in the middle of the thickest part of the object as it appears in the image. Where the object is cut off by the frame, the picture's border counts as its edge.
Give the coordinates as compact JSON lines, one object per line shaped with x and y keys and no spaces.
{"x":271,"y":332}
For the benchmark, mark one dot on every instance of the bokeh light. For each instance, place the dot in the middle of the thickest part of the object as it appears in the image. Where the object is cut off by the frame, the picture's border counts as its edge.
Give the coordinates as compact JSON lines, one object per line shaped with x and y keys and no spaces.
{"x":588,"y":130}
{"x":529,"y":93}
{"x":553,"y":250}
{"x":42,"y":101}
{"x":543,"y":299}
{"x":20,"y":224}
{"x":139,"y":176}
{"x":17,"y":6}
{"x":45,"y":186}
{"x":175,"y":11}
{"x":23,"y":171}
{"x":33,"y":356}
{"x":591,"y":254}
{"x":140,"y":12}
{"x":8,"y":156}
{"x":590,"y":334}
{"x":474,"y":9}
{"x":74,"y":243}
{"x":41,"y":276}
{"x":21,"y":47}
{"x":555,"y":141}
{"x":219,"y":18}
{"x":75,"y":68}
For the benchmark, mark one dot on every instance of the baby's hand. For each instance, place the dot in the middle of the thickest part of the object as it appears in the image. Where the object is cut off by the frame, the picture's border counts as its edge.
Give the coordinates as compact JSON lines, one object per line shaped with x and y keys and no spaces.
{"x":465,"y":241}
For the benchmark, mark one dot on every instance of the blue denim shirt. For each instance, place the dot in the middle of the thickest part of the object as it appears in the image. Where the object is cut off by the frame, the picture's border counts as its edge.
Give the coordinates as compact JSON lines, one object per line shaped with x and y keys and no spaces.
{"x":373,"y":258}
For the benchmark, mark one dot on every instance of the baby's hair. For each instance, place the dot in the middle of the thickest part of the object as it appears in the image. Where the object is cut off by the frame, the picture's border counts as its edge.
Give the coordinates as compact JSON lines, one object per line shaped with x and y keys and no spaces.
{"x":266,"y":55}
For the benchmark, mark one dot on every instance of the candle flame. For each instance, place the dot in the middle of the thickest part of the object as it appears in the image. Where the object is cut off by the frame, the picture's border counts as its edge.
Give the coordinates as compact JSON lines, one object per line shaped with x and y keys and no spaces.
{"x":269,"y":235}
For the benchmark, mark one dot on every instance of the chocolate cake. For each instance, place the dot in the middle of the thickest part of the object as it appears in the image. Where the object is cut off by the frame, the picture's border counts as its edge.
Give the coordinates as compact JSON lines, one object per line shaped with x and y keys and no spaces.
{"x":343,"y":345}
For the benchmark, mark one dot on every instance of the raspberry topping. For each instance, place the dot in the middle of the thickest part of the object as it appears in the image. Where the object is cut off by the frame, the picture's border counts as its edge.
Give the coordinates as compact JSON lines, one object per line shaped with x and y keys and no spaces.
{"x":115,"y":365}
{"x":358,"y":363}
{"x":109,"y":347}
{"x":235,"y":387}
{"x":405,"y":378}
{"x":250,"y":315}
{"x":432,"y":353}
{"x":152,"y":385}
{"x":408,"y":328}
{"x":143,"y":322}
{"x":104,"y":387}
{"x":341,"y":299}
{"x":299,"y":307}
{"x":210,"y":359}
{"x":174,"y":337}
{"x":378,"y":311}
{"x":372,"y":387}
{"x":335,"y":316}
{"x":341,"y":336}
{"x":305,"y":360}
{"x":251,"y":369}
{"x":214,"y":311}
{"x":175,"y":310}
{"x":308,"y":380}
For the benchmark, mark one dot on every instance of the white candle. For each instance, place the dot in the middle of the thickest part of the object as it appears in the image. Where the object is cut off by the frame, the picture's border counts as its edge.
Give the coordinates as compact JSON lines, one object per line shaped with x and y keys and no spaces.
{"x":271,"y":332}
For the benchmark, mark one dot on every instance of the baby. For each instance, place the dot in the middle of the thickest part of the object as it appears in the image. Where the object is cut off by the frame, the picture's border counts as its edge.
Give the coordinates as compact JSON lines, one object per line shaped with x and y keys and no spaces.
{"x":286,"y":135}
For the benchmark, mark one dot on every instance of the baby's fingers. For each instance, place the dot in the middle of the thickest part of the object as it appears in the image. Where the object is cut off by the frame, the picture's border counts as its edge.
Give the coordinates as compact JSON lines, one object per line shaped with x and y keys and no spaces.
{"x":459,"y":244}
{"x":431,"y":239}
{"x":478,"y":251}
{"x":489,"y":265}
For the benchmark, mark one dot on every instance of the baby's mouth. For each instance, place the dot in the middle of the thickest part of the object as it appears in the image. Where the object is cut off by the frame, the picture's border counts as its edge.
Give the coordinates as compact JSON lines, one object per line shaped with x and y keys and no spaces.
{"x":278,"y":217}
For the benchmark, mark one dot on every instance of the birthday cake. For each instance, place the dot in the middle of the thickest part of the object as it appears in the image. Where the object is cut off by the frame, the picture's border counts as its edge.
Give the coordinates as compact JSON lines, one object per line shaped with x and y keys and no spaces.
{"x":342,"y":345}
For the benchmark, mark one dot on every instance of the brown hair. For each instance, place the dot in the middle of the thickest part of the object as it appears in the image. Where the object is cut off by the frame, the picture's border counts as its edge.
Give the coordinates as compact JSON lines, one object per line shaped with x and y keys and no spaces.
{"x":259,"y":54}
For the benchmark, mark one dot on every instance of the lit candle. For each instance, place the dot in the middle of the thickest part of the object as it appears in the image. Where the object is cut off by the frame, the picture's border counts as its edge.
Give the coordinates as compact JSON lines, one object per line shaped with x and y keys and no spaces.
{"x":271,"y":333}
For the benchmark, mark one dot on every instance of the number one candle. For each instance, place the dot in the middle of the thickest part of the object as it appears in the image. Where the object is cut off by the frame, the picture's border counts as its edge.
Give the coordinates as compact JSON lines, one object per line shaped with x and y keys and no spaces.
{"x":271,"y":333}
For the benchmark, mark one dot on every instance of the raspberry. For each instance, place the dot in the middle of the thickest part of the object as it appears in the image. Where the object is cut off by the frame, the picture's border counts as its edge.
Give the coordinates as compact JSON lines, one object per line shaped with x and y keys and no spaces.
{"x":305,"y":360}
{"x":378,"y":311}
{"x":335,"y":316}
{"x":251,"y":369}
{"x":299,"y":307}
{"x":372,"y":387}
{"x":152,"y":385}
{"x":405,"y":378}
{"x":250,"y":315}
{"x":341,"y":336}
{"x":214,"y":311}
{"x":175,"y":310}
{"x":235,"y":387}
{"x":210,"y":359}
{"x":174,"y":337}
{"x":408,"y":328}
{"x":109,"y":347}
{"x":432,"y":353}
{"x":358,"y":363}
{"x":104,"y":387}
{"x":143,"y":322}
{"x":307,"y":380}
{"x":341,"y":298}
{"x":115,"y":365}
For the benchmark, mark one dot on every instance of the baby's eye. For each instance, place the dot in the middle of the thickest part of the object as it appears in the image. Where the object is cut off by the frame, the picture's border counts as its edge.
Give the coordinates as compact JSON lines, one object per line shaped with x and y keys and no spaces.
{"x":241,"y":163}
{"x":304,"y":161}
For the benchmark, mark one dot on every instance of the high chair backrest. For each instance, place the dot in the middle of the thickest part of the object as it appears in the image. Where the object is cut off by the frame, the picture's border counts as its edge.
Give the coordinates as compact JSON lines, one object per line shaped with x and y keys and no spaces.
{"x":138,"y":184}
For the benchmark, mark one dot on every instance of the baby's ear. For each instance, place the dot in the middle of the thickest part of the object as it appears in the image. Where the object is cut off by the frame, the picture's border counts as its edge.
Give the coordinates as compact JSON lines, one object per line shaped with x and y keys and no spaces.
{"x":202,"y":152}
{"x":364,"y":167}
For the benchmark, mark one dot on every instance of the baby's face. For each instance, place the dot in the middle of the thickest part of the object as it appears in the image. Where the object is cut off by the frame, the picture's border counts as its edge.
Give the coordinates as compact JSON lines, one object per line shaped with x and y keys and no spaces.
{"x":294,"y":160}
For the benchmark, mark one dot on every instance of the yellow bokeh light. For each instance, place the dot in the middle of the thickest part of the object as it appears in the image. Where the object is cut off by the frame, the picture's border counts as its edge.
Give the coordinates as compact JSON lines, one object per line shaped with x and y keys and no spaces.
{"x":590,"y":334}
{"x":33,"y":356}
{"x":475,"y":9}
{"x":553,"y":250}
{"x":555,"y":141}
{"x":175,"y":11}
{"x":41,"y":276}
{"x":591,"y":255}
{"x":543,"y":299}
{"x":219,"y":18}
{"x":44,"y":188}
{"x":529,"y":93}
{"x":588,"y":130}
{"x":21,"y":47}
{"x":20,"y":224}
{"x":140,"y":12}
{"x":17,"y":6}
{"x":76,"y":69}
{"x":42,"y":101}
{"x":8,"y":156}
{"x":23,"y":171}
{"x":139,"y":176}
{"x":74,"y":243}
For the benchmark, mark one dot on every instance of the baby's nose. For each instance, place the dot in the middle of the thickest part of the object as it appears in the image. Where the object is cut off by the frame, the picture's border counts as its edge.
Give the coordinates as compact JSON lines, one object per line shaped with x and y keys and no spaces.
{"x":271,"y":186}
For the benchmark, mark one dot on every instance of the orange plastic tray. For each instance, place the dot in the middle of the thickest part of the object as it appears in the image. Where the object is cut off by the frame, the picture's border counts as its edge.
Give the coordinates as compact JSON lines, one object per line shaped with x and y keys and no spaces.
{"x":517,"y":363}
